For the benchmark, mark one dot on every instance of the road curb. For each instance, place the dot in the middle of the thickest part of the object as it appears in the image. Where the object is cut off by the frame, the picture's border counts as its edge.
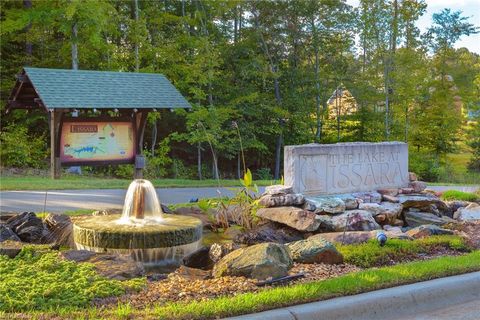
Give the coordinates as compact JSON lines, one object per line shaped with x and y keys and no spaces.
{"x":384,"y":304}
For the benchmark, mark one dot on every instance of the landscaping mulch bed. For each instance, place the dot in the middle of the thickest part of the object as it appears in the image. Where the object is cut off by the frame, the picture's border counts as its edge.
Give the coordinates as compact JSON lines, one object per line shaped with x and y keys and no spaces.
{"x":472,"y":231}
{"x":178,"y":288}
{"x":321,"y":271}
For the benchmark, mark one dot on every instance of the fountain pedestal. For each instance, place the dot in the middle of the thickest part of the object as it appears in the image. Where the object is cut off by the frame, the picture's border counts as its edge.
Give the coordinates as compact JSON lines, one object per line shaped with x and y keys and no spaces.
{"x":141,"y":230}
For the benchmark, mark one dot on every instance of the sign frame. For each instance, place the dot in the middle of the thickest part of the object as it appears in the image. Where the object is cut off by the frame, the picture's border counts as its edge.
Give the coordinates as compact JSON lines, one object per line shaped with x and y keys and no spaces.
{"x":97,"y":119}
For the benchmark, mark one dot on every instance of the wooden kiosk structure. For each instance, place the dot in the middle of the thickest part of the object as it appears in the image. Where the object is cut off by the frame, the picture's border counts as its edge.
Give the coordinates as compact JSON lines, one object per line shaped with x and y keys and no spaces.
{"x":95,"y":117}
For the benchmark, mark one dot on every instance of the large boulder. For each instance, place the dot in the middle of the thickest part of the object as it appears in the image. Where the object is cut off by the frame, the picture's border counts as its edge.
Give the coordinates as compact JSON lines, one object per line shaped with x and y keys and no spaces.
{"x":315,"y":249}
{"x":61,"y":229}
{"x":299,"y":219}
{"x":424,"y":202}
{"x":418,"y":186}
{"x":7,"y":234}
{"x":355,"y":220}
{"x":368,"y":197}
{"x":199,"y":259}
{"x":326,"y":223}
{"x":11,"y":248}
{"x":33,"y":234}
{"x":454,"y":205}
{"x":28,"y":227}
{"x":269,"y":232}
{"x":388,"y":198}
{"x":76,"y":255}
{"x":261,"y":261}
{"x":292,"y":199}
{"x":393,"y":192}
{"x":331,"y":205}
{"x":219,"y":250}
{"x":278,"y":189}
{"x":418,"y":218}
{"x":470,"y":212}
{"x":112,"y":266}
{"x":350,"y":201}
{"x":426,"y":231}
{"x":384,"y":213}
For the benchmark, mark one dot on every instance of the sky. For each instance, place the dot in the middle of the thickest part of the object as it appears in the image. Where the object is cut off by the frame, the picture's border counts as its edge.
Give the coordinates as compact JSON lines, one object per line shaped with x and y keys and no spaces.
{"x":470,"y":8}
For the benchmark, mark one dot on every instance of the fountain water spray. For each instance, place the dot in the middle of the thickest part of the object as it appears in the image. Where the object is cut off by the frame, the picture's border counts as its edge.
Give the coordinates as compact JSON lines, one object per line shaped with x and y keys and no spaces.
{"x":142,"y":230}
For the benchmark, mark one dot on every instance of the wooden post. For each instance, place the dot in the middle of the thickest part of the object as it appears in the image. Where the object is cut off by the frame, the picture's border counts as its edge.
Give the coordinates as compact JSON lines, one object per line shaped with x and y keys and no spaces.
{"x":55,"y":117}
{"x":140,"y":122}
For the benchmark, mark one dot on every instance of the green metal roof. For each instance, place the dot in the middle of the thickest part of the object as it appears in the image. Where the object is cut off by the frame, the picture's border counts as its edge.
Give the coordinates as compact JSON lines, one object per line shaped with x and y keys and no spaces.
{"x":60,"y":88}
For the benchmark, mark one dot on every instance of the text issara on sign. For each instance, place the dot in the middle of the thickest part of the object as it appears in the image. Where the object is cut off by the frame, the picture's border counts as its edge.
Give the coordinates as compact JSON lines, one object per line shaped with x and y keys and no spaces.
{"x":83,"y":128}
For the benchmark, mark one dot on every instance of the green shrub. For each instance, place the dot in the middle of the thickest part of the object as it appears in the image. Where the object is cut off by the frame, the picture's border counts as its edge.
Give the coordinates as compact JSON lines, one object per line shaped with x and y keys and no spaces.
{"x":459,"y":195}
{"x":264,"y":174}
{"x":36,"y":280}
{"x":425,"y":166}
{"x":20,"y":150}
{"x":124,"y":171}
{"x":370,"y":254}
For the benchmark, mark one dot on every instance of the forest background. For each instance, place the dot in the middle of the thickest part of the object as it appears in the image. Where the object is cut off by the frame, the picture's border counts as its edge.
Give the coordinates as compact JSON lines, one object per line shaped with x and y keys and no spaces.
{"x":260,"y":75}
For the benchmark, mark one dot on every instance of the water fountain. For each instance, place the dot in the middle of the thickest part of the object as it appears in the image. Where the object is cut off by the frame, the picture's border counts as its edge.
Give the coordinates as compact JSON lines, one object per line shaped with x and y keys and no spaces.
{"x":142,"y":230}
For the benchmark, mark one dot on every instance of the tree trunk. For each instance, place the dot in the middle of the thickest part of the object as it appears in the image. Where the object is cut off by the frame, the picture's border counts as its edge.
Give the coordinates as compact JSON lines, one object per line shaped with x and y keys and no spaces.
{"x":235,"y":26}
{"x":216,"y":175}
{"x":74,"y":46}
{"x":199,"y":161}
{"x":239,"y":170}
{"x":278,"y":147}
{"x":154,"y":137}
{"x":318,"y":133}
{"x":27,"y":4}
{"x":389,"y":67}
{"x":337,"y":107}
{"x":137,"y":57}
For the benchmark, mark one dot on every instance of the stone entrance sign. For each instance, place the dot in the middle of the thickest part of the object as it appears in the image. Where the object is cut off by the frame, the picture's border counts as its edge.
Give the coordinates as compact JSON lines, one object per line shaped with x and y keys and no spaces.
{"x":317,"y":169}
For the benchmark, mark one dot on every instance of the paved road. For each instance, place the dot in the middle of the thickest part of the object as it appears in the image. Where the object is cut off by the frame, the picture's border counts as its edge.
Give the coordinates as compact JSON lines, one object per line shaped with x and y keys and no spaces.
{"x":450,"y":298}
{"x":463,"y":311}
{"x":62,"y":200}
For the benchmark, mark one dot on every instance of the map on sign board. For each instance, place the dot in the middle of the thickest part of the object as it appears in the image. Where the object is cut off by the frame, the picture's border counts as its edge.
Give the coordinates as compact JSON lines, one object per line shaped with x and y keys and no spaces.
{"x":89,"y":142}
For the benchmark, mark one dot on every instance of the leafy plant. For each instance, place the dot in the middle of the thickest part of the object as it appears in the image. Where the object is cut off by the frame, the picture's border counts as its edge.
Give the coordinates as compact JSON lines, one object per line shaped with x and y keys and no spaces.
{"x":264,"y":174}
{"x":40,"y":280}
{"x":370,"y":254}
{"x":240,"y":209}
{"x":19,"y":149}
{"x":459,"y":195}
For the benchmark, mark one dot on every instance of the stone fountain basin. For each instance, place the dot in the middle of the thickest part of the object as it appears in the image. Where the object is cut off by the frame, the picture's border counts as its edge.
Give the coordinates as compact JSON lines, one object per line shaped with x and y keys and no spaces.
{"x":106,"y":232}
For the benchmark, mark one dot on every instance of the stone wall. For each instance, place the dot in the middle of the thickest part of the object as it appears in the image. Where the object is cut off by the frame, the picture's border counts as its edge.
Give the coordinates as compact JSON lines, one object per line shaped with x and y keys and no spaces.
{"x":318,"y":169}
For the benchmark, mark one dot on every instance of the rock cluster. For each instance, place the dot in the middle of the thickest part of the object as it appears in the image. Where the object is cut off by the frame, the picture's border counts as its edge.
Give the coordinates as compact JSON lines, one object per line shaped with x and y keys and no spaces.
{"x":27,"y":227}
{"x":407,"y":207}
{"x":274,"y":260}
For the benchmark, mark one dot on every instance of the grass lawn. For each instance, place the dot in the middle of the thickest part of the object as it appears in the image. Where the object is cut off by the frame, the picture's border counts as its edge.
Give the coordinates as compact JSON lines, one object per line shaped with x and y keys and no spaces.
{"x":354,"y":283}
{"x":65,"y":289}
{"x":76,"y":182}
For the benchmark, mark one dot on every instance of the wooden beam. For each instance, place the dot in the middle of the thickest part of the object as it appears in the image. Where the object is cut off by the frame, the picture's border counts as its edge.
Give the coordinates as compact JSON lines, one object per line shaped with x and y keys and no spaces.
{"x":21,"y":77}
{"x":18,"y":90}
{"x":21,"y":104}
{"x":140,"y":123}
{"x":55,"y":168}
